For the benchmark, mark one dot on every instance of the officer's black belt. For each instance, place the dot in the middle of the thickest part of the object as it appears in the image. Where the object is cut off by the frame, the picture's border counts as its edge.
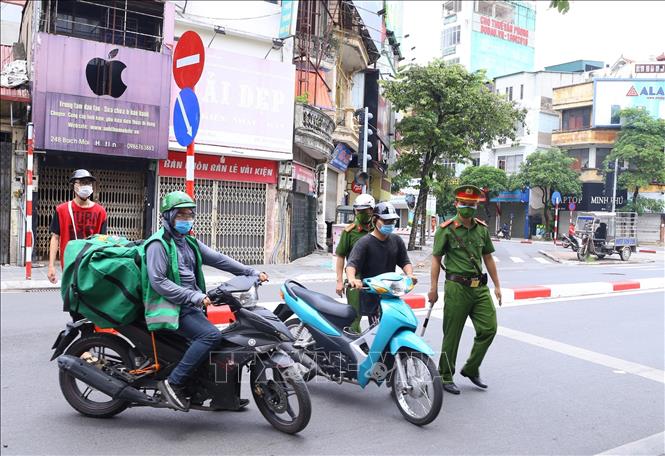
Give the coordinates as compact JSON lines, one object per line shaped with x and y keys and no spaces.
{"x":472,"y":282}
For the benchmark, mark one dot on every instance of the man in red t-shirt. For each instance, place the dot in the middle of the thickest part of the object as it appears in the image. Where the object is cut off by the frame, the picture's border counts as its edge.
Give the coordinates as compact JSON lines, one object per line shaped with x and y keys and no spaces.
{"x":76,"y":219}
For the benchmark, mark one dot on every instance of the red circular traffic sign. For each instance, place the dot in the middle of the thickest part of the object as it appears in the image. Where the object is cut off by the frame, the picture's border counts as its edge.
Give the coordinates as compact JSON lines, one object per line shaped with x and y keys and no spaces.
{"x":188,"y":60}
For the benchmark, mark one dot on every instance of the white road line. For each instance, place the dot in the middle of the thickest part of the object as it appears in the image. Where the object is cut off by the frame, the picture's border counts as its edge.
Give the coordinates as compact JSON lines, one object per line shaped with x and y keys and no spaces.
{"x":654,"y":444}
{"x":517,"y":260}
{"x":542,"y":260}
{"x":189,"y":60}
{"x":629,"y":367}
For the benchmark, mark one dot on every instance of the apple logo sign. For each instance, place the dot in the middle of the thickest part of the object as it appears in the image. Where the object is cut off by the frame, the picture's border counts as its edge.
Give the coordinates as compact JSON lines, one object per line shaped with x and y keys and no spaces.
{"x":105,"y":76}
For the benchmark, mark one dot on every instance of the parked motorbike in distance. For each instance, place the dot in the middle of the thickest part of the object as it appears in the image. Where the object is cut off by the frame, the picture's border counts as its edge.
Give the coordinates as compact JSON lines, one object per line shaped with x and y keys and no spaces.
{"x":570,"y":241}
{"x":503,"y":232}
{"x":389,"y":350}
{"x":104,"y":373}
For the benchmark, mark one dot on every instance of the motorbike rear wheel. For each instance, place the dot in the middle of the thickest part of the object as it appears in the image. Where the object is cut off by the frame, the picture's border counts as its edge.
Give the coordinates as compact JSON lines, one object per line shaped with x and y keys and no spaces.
{"x":108,"y":351}
{"x":273,"y":388}
{"x":422,"y":381}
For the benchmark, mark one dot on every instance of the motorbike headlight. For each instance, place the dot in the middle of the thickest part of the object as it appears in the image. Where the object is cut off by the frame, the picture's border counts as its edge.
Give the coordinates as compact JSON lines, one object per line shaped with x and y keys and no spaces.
{"x":247,"y":298}
{"x":398,"y":287}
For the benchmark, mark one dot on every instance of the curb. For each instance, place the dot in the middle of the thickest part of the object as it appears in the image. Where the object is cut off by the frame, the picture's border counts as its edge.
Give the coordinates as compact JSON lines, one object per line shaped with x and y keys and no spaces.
{"x":550,"y":256}
{"x":569,"y":290}
{"x":647,"y":251}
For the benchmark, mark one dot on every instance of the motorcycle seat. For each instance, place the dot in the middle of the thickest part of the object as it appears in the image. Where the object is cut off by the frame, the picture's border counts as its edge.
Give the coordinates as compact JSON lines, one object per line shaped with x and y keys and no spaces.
{"x":324,"y":304}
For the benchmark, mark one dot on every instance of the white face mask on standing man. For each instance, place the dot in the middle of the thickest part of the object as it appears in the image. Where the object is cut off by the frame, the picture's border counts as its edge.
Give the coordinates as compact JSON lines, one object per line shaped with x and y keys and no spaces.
{"x":83,"y":189}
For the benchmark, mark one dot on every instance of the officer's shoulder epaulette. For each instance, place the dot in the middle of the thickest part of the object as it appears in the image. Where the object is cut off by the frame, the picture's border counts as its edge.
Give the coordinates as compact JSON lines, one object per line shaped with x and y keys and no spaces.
{"x":480,"y":222}
{"x":348,"y":228}
{"x":446,"y":223}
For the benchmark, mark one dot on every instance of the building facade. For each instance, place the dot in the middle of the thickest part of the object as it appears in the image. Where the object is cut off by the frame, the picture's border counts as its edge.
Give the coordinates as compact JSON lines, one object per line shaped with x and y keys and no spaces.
{"x":494,"y":35}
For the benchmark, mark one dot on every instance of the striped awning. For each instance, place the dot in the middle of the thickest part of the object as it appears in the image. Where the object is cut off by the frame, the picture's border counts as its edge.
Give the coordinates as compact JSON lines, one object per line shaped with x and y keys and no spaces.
{"x":16,"y":94}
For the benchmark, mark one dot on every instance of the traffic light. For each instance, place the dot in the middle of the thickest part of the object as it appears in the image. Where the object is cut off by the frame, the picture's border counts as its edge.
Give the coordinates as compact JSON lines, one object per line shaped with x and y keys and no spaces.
{"x":363,"y":136}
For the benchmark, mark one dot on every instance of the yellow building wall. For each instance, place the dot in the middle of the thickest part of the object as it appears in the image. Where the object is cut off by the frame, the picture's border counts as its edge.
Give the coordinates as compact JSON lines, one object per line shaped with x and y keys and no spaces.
{"x":573,"y":96}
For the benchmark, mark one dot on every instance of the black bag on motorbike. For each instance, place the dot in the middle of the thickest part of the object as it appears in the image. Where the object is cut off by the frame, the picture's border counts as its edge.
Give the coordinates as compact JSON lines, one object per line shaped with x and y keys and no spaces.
{"x":369,"y":303}
{"x":102,"y":280}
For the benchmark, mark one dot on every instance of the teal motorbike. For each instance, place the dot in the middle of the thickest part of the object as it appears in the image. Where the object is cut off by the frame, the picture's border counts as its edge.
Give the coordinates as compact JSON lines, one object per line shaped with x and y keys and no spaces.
{"x":388,"y":351}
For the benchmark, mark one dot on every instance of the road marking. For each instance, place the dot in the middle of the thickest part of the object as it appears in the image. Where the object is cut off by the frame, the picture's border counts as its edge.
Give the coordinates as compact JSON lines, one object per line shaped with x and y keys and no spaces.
{"x":517,"y":260}
{"x":654,"y":444}
{"x":542,"y":260}
{"x":629,"y":367}
{"x":189,"y":60}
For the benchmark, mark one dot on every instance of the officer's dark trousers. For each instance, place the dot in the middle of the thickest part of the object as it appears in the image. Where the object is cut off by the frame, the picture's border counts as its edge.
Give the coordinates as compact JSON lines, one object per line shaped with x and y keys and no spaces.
{"x":203,"y":337}
{"x":461,"y":302}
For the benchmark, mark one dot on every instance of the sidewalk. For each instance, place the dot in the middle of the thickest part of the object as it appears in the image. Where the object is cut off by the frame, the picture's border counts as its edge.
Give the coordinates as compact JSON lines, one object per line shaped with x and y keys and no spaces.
{"x":318,"y":266}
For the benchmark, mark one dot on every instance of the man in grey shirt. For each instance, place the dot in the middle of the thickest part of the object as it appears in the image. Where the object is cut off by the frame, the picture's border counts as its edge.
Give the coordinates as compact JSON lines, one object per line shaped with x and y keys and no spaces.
{"x":171,"y":240}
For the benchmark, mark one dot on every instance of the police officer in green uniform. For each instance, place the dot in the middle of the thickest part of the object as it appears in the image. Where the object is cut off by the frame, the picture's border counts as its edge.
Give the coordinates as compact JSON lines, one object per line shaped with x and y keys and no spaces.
{"x":464,"y":240}
{"x":362,"y":225}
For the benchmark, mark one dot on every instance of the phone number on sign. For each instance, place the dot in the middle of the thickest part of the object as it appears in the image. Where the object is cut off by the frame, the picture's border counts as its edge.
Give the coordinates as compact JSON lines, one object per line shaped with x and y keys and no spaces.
{"x":134,"y":146}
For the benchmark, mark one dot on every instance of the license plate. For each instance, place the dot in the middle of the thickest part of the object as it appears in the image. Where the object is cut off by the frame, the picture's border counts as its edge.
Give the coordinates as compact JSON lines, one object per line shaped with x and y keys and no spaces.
{"x":475,"y":283}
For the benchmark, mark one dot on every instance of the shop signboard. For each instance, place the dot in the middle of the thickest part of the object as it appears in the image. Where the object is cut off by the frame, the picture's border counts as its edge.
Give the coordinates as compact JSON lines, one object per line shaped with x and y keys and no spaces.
{"x":103,"y":98}
{"x":613,"y":95}
{"x":219,"y":167}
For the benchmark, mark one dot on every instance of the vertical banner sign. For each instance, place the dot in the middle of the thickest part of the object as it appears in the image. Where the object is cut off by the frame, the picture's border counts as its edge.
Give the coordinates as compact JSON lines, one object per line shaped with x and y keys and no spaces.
{"x":287,"y":20}
{"x":28,"y":208}
{"x":188,"y":61}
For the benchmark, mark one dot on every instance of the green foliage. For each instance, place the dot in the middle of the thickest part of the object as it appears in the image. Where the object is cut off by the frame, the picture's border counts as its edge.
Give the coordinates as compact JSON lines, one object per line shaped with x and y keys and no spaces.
{"x":549,"y":170}
{"x":485,"y":176}
{"x":561,"y":5}
{"x":642,"y":205}
{"x":449,"y":113}
{"x":442,"y":188}
{"x":304,"y":98}
{"x":641,"y":143}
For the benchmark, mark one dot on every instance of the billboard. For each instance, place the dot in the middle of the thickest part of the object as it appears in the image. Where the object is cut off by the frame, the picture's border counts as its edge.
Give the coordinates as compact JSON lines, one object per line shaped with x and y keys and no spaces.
{"x":100,"y":98}
{"x":610,"y":96}
{"x":246,"y":103}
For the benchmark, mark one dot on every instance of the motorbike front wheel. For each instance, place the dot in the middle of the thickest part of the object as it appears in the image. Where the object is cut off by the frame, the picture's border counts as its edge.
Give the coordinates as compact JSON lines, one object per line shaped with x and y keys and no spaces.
{"x":417,"y":387}
{"x":103,"y":351}
{"x":281,"y":396}
{"x":565,"y":243}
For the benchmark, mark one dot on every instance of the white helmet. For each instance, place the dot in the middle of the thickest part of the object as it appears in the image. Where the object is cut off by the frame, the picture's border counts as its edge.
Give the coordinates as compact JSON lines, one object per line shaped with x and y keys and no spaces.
{"x":364,"y":201}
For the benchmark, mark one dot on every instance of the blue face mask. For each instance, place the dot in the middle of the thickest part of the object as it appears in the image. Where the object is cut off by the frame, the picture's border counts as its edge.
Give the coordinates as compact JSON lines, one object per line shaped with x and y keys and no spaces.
{"x":387,"y":229}
{"x":183,"y":226}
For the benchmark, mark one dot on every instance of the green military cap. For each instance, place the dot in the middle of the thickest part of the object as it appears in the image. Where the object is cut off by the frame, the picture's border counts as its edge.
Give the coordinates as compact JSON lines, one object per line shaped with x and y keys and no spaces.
{"x":468,"y":193}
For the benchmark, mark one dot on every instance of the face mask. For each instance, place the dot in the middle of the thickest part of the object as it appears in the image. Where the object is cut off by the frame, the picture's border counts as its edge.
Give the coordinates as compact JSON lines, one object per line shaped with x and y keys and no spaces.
{"x":183,"y":226}
{"x":466,"y":211}
{"x":363,"y":218}
{"x":387,"y":229}
{"x":84,"y":191}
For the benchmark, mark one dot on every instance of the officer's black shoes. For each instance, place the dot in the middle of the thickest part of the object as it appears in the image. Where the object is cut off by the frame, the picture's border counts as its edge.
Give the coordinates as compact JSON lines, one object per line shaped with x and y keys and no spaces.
{"x":174,"y":395}
{"x":451,"y":388}
{"x":475,"y":380}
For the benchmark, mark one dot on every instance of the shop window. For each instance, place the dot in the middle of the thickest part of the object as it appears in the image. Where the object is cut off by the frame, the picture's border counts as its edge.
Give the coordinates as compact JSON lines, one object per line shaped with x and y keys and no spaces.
{"x":576,"y":119}
{"x":130,"y":23}
{"x":581,"y":157}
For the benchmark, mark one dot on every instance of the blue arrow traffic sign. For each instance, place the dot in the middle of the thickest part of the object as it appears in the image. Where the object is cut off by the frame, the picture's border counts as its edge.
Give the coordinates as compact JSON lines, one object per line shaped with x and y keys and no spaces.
{"x":556,"y":198}
{"x":186,"y":117}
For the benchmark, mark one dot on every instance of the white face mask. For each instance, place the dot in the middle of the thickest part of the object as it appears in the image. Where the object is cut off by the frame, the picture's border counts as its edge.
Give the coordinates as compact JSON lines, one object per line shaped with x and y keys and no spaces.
{"x":84,"y":191}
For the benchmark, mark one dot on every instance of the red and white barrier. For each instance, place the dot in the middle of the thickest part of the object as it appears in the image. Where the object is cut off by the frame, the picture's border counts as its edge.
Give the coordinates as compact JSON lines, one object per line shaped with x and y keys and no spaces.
{"x":28,"y":208}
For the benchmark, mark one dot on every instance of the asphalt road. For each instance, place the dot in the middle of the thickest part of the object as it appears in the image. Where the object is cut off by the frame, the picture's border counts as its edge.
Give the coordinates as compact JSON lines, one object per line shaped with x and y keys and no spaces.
{"x":576,"y":376}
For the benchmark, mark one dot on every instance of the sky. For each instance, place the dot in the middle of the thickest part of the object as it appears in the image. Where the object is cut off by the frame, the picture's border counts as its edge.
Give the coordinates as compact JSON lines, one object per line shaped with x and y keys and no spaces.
{"x":592,"y":30}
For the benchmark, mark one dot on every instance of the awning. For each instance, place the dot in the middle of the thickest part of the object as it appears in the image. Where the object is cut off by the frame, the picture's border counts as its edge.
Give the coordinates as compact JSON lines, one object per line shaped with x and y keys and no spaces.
{"x":313,"y":84}
{"x":16,"y":94}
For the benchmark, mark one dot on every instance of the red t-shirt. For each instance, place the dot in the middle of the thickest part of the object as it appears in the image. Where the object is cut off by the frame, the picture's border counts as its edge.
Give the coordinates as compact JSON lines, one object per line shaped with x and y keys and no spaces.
{"x":89,"y":221}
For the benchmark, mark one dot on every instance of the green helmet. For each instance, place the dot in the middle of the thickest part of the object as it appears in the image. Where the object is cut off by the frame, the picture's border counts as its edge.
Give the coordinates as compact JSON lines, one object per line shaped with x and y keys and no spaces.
{"x":176,"y":200}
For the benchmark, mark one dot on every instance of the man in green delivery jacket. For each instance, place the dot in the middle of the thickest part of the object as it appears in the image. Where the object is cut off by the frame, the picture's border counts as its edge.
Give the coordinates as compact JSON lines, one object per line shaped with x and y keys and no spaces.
{"x":361,"y":226}
{"x":174,"y":290}
{"x":464,"y":240}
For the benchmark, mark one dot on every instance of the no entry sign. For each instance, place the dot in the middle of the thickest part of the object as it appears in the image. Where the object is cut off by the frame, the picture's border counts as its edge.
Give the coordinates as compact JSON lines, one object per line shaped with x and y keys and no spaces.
{"x":188,"y":60}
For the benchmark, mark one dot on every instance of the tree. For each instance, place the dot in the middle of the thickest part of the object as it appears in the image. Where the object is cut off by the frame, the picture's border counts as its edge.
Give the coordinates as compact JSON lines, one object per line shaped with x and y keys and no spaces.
{"x":561,"y":5}
{"x":489,"y":179}
{"x":449,"y":112}
{"x":641,"y":142}
{"x":549,"y":170}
